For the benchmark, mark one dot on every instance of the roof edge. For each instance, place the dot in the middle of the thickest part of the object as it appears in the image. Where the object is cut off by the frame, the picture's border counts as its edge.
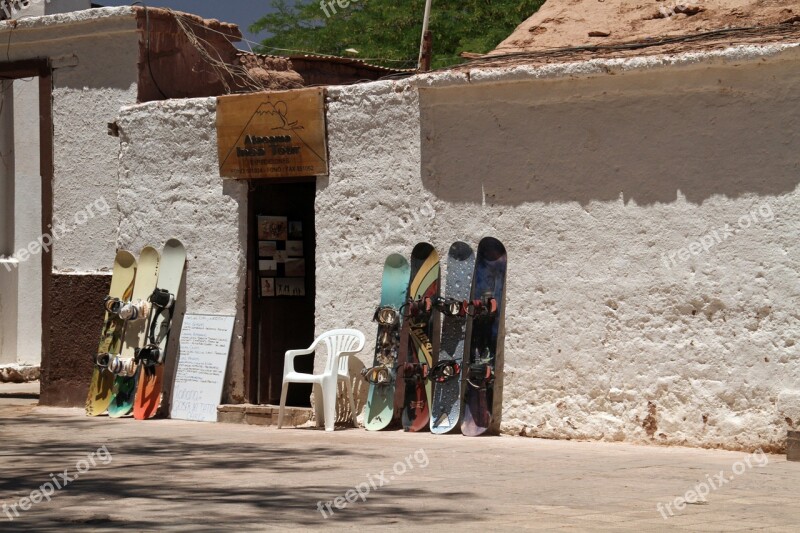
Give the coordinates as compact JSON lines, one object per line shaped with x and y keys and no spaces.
{"x":471,"y":75}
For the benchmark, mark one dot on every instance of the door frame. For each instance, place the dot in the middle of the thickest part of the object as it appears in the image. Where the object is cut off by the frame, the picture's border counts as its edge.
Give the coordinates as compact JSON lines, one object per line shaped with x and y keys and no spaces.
{"x":42,"y":69}
{"x":251,"y":355}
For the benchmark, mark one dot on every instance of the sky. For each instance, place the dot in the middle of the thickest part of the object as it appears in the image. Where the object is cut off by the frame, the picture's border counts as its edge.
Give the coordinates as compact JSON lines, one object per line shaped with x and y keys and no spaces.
{"x":241,"y":12}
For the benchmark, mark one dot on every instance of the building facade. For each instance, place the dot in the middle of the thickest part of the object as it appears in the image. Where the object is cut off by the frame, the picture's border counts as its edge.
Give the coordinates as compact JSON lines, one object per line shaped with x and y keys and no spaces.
{"x":646,"y":201}
{"x":646,"y":204}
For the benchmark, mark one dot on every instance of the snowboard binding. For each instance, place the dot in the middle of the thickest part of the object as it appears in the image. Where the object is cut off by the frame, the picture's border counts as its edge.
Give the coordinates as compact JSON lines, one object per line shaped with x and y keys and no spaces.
{"x":134,"y":311}
{"x":161,"y":301}
{"x":480,"y":375}
{"x":486,"y":307}
{"x":377,"y":375}
{"x":151,"y":355}
{"x":387,"y":316}
{"x":122,"y":367}
{"x":102,"y":360}
{"x":415,"y":371}
{"x":444,"y":371}
{"x":451,"y":306}
{"x":113,"y":305}
{"x":162,"y":298}
{"x":418,"y":311}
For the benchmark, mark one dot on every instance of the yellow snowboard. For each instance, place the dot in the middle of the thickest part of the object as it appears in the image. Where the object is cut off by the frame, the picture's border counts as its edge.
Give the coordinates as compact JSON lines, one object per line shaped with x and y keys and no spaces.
{"x":122,"y":282}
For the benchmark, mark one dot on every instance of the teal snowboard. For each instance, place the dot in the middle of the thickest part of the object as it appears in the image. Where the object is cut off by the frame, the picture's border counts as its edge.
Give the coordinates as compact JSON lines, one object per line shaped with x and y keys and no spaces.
{"x":379,"y":411}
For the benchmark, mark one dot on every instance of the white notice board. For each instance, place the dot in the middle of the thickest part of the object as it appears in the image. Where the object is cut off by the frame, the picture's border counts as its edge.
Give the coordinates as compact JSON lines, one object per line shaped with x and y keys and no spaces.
{"x":205,"y":345}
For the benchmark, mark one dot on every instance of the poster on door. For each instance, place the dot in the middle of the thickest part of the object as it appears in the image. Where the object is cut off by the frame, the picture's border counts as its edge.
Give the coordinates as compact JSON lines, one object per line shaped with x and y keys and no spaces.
{"x":281,"y":260}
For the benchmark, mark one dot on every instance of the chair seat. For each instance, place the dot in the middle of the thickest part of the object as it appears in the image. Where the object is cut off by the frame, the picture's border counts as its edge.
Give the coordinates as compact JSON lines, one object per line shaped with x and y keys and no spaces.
{"x":299,"y":377}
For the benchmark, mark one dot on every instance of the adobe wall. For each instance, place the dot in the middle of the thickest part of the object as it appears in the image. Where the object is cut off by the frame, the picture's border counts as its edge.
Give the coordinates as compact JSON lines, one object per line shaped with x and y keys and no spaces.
{"x":94,"y":58}
{"x":651,"y":226}
{"x":648,"y":210}
{"x":170,"y":187}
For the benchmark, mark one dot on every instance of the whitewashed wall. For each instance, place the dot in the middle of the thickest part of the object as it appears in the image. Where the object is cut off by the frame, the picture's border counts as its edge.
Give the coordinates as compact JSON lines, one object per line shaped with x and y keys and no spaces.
{"x":94,"y":55}
{"x":170,"y":188}
{"x":592,"y":181}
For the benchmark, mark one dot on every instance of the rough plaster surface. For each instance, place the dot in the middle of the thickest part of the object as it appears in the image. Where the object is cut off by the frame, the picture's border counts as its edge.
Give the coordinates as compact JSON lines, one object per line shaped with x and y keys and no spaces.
{"x":170,"y":188}
{"x":85,"y":156}
{"x":589,"y":182}
{"x":520,"y":71}
{"x":94,"y":54}
{"x":61,"y":20}
{"x":28,"y":220}
{"x":9,"y":281}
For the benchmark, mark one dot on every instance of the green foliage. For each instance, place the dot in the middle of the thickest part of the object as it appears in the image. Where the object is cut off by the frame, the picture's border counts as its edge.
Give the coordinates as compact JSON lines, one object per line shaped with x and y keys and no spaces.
{"x":388,"y":32}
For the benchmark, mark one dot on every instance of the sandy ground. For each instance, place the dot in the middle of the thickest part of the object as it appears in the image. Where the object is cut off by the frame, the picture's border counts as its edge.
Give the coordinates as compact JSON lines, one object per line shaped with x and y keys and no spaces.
{"x":181,"y":476}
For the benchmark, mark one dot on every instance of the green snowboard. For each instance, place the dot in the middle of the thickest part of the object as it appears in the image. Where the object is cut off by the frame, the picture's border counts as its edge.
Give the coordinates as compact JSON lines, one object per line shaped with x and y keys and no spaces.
{"x":379,"y":411}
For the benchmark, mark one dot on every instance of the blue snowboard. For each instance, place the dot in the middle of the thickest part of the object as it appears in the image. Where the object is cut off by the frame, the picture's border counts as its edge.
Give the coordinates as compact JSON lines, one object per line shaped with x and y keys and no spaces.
{"x":488,"y":291}
{"x":448,"y":386}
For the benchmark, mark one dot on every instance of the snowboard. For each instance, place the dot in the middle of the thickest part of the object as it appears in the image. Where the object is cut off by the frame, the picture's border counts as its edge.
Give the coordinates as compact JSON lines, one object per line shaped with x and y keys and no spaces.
{"x":486,"y":308}
{"x":379,"y":411}
{"x":416,"y":355}
{"x":122,"y":280}
{"x":447,"y":375}
{"x":136,"y":314}
{"x":150,"y":359}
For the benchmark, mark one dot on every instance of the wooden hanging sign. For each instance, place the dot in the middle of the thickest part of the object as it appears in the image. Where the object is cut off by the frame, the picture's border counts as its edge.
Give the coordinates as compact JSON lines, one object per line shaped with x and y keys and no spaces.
{"x":272,"y":134}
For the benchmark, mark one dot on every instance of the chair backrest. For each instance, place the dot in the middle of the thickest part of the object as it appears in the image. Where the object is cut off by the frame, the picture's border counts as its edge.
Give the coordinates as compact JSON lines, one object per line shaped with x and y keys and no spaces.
{"x":340,"y":342}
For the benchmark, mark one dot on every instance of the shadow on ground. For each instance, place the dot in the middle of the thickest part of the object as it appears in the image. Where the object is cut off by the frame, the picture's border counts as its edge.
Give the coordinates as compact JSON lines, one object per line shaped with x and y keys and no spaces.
{"x":185,"y":480}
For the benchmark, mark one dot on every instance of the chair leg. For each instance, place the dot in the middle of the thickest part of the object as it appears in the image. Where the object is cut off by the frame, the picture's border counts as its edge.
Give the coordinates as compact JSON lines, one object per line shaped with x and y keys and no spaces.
{"x":282,"y":408}
{"x":353,"y":413}
{"x":319,"y":413}
{"x":329,"y":402}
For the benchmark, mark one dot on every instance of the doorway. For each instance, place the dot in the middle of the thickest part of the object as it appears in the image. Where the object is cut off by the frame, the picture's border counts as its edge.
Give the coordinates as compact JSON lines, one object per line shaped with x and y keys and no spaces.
{"x":282,"y":286}
{"x":26,"y":155}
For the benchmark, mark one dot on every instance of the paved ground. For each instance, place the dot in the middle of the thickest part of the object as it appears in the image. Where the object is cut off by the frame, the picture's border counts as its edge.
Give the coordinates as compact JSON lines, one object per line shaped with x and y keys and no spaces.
{"x":185,"y":476}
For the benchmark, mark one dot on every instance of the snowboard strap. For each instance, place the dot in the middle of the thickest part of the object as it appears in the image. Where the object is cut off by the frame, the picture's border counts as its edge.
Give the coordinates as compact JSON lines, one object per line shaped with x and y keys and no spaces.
{"x":415,"y":371}
{"x":418,"y":311}
{"x":386,"y":316}
{"x":102,"y":359}
{"x":134,"y":311}
{"x":484,"y":307}
{"x":122,"y":367}
{"x":445,"y":370}
{"x":480,"y":375}
{"x":162,"y":302}
{"x":450,"y":306}
{"x":377,"y":375}
{"x":149,"y":356}
{"x":112,"y":305}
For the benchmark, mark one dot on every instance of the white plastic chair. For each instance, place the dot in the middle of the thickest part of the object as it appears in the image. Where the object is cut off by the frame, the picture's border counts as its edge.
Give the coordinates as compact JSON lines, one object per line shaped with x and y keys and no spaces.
{"x":340,"y":344}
